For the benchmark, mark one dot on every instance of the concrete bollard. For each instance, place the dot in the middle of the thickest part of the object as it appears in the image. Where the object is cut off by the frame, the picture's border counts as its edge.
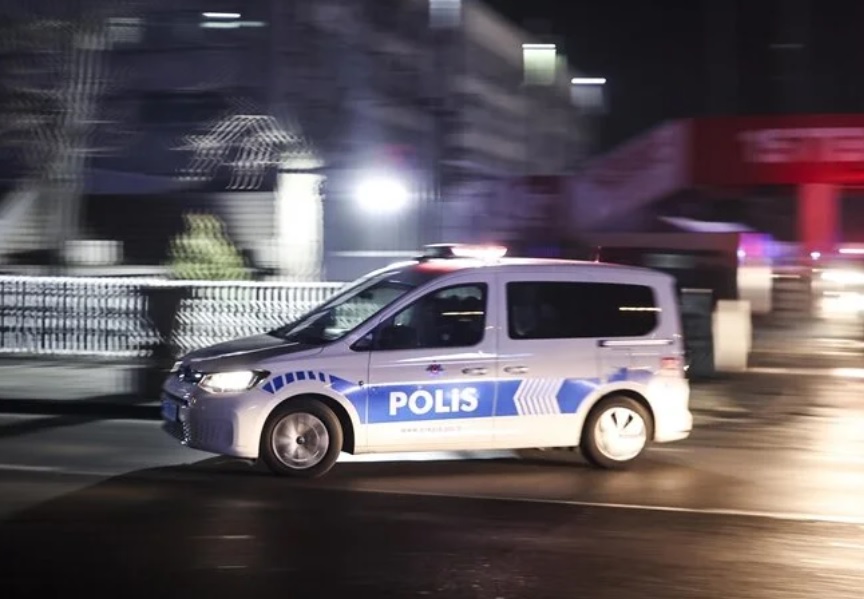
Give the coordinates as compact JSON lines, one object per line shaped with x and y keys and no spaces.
{"x":733,"y":335}
{"x":755,"y":284}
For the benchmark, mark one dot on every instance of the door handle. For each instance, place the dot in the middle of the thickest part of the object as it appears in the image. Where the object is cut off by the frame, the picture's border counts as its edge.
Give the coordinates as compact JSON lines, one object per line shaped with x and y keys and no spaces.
{"x":475,"y":371}
{"x":516,"y":369}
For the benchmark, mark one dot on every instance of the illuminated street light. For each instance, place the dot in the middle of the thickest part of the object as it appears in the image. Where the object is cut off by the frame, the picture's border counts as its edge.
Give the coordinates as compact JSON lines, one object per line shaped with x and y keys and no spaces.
{"x":588,"y":93}
{"x":539,"y":64}
{"x":382,"y":194}
{"x":588,"y":81}
{"x":221,"y":15}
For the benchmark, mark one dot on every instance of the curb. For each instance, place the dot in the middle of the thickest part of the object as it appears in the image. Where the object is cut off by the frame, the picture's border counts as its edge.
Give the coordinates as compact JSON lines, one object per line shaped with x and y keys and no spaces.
{"x":107,"y":409}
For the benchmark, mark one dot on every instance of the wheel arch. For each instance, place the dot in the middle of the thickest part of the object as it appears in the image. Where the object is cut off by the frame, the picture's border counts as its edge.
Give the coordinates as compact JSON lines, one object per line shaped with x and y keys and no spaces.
{"x":622,"y":391}
{"x":346,"y":420}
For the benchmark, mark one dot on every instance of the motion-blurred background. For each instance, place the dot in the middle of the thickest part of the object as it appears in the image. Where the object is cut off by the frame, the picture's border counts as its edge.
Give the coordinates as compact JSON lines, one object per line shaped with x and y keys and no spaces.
{"x":254,"y":156}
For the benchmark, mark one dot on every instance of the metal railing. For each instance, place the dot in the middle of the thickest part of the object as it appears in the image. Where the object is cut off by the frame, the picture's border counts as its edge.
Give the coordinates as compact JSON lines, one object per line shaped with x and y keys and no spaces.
{"x":113,"y":317}
{"x":110,"y":316}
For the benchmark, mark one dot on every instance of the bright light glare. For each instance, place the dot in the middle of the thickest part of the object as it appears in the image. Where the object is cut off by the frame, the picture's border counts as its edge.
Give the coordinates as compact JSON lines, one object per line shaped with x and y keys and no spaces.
{"x":588,"y":81}
{"x":742,"y":254}
{"x":221,"y":15}
{"x":854,"y":251}
{"x":227,"y":382}
{"x":480,"y":252}
{"x":815,"y":255}
{"x":382,"y":194}
{"x":843,"y":277}
{"x":848,"y":373}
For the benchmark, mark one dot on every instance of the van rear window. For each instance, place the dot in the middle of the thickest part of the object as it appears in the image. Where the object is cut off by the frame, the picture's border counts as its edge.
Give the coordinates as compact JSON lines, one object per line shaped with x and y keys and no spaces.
{"x":563,"y":310}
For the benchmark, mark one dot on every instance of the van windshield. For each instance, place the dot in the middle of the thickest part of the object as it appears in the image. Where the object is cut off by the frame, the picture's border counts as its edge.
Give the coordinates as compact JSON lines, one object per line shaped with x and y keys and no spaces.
{"x":353,"y":306}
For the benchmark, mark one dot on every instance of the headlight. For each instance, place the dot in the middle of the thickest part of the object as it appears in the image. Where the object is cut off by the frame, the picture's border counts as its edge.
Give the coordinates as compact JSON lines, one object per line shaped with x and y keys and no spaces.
{"x":231,"y":382}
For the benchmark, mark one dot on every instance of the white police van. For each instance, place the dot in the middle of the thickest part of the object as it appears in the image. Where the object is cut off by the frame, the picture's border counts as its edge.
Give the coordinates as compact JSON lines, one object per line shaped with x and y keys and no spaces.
{"x":461,"y":349}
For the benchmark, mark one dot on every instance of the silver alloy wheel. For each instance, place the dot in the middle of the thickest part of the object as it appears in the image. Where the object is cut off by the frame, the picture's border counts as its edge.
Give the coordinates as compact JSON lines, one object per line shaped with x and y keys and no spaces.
{"x":620,"y":433}
{"x":300,"y":440}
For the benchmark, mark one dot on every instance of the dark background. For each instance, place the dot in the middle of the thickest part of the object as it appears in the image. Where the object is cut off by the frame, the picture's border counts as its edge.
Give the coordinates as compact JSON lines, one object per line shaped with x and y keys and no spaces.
{"x":668,"y":59}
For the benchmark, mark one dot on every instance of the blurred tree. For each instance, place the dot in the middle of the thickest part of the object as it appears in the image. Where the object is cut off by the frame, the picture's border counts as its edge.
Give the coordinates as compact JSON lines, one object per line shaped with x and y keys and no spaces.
{"x":204,"y":252}
{"x":53,"y":72}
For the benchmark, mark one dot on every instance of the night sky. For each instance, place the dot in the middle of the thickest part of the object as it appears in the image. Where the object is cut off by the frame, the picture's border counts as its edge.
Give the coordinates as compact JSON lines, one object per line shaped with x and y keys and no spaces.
{"x":651,"y":52}
{"x":667,"y":59}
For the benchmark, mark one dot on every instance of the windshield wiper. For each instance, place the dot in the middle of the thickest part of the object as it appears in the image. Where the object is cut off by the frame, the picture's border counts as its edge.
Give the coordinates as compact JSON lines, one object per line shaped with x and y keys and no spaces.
{"x":305,"y":337}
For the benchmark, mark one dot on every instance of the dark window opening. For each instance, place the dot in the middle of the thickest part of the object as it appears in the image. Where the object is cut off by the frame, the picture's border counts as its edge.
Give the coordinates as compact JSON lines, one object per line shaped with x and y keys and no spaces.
{"x":560,"y":310}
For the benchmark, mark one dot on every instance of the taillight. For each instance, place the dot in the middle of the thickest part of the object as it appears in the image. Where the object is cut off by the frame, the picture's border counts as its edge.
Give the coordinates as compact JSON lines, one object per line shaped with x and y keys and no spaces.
{"x":672,"y":365}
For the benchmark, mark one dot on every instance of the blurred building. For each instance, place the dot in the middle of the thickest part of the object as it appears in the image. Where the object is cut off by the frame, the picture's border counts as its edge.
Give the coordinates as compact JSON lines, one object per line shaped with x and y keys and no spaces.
{"x":330,"y":136}
{"x":509,"y":113}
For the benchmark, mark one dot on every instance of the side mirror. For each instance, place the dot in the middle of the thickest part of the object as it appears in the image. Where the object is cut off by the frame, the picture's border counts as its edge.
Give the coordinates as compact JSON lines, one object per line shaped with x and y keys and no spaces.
{"x":365,"y":343}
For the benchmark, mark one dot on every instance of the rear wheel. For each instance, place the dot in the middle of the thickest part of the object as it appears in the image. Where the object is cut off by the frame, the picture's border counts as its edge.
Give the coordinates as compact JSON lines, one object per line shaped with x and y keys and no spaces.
{"x":616,"y":433}
{"x":302,"y":438}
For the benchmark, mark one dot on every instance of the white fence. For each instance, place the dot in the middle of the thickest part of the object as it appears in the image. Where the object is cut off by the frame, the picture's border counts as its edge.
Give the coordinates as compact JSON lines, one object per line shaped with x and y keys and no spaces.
{"x":111,"y":317}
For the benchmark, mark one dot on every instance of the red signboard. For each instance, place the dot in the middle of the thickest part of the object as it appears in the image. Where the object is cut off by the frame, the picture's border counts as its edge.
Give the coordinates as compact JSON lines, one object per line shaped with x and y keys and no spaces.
{"x":782,"y":150}
{"x":817,"y":153}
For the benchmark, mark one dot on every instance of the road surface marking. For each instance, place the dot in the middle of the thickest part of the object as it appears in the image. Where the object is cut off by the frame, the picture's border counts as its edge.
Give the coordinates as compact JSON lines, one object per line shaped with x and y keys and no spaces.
{"x":858,"y":546}
{"x":738,"y":513}
{"x":21,"y":468}
{"x":54,"y":470}
{"x":840,"y":373}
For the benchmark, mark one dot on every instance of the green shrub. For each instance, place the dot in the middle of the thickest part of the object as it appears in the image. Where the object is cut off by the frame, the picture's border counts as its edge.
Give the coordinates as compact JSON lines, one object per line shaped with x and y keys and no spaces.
{"x":203,"y":252}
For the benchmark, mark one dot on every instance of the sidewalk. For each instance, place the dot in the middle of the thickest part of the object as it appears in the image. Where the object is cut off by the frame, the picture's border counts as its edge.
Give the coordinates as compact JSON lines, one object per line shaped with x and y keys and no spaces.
{"x":57,"y":379}
{"x":73,"y":387}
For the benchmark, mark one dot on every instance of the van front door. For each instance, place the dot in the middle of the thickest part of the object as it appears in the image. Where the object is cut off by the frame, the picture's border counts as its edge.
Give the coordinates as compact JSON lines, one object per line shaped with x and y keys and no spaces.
{"x":432,"y":372}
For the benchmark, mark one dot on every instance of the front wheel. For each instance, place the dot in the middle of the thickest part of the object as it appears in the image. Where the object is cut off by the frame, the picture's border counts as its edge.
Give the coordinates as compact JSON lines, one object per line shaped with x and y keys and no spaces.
{"x":302,"y":438}
{"x":616,"y":433}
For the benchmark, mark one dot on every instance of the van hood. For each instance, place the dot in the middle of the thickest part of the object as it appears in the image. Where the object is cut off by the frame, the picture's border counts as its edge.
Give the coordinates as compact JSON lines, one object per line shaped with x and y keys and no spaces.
{"x":244,"y":352}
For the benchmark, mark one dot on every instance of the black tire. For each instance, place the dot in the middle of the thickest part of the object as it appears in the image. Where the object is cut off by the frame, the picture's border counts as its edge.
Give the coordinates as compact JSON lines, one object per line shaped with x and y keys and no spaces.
{"x":591,"y":445}
{"x":294,"y":407}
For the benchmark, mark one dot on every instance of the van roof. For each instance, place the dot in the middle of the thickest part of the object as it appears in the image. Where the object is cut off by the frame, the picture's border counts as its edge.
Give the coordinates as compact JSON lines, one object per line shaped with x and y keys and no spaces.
{"x":451,"y":265}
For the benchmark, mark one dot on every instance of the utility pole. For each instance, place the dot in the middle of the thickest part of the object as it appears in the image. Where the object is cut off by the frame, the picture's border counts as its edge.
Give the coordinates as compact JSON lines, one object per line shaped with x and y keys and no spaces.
{"x":445,"y":21}
{"x":82,"y":87}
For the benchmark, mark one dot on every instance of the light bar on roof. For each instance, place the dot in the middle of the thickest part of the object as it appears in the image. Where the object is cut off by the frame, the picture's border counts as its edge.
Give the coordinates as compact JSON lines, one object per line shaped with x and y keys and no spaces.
{"x":478,"y":252}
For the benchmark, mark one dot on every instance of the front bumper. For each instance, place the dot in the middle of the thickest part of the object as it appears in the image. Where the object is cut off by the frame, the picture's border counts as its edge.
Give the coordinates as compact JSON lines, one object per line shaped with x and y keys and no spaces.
{"x":223,"y":425}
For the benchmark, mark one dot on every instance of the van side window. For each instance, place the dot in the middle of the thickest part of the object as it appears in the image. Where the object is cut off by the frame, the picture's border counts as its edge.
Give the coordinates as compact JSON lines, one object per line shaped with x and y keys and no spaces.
{"x":562,"y":310}
{"x":450,"y":317}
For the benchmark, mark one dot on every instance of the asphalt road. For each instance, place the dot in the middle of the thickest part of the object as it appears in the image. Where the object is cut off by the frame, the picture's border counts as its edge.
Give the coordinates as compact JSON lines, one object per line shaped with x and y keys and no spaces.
{"x":766,"y":500}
